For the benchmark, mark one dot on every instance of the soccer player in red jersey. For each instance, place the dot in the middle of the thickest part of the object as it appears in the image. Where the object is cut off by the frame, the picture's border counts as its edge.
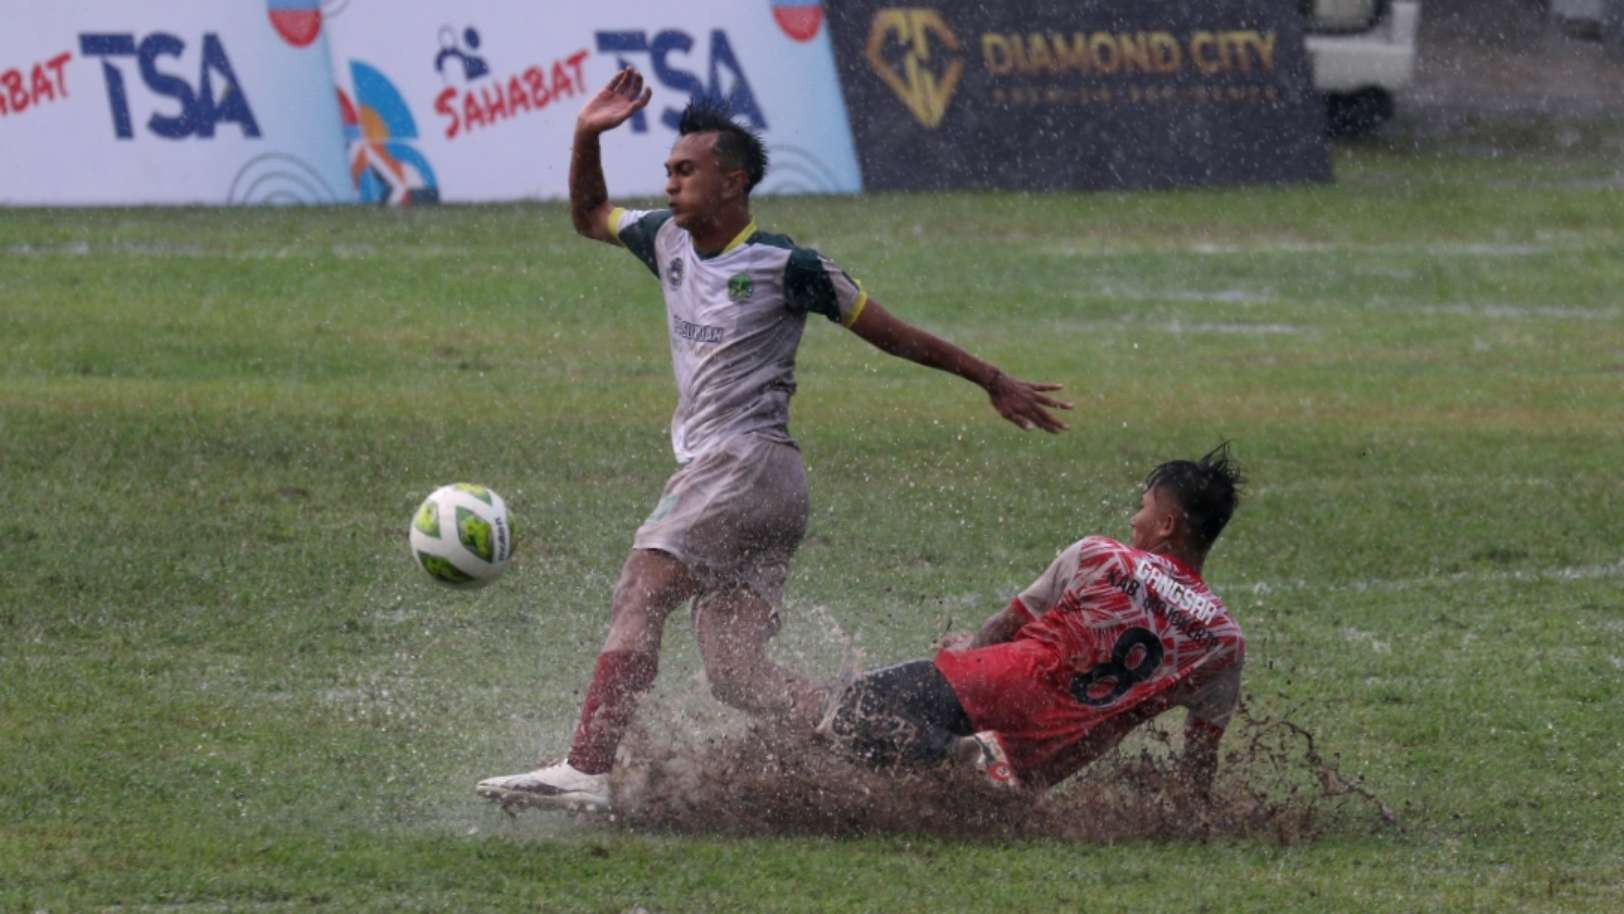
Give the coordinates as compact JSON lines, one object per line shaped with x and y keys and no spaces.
{"x":1110,"y":636}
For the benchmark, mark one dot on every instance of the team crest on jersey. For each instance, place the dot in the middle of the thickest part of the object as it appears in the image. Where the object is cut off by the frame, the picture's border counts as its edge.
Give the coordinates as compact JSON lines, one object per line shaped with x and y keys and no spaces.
{"x":673,"y":272}
{"x":740,"y":287}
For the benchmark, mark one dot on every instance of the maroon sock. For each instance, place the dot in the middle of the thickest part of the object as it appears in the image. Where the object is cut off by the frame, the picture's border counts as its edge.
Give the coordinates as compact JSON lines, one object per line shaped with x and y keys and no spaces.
{"x":619,"y":678}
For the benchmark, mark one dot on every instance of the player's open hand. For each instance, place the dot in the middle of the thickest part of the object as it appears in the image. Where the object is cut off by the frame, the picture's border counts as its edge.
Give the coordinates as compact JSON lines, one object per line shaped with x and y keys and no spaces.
{"x":1026,"y":404}
{"x":623,"y":97}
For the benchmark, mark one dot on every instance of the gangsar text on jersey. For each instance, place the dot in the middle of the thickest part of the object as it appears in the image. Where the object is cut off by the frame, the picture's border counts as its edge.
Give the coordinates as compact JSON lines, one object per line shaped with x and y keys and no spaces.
{"x":1188,"y":624}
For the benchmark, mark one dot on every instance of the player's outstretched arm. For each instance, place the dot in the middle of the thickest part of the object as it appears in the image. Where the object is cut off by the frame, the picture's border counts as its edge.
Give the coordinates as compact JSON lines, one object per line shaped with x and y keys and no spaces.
{"x":623,"y":97}
{"x":1022,"y":402}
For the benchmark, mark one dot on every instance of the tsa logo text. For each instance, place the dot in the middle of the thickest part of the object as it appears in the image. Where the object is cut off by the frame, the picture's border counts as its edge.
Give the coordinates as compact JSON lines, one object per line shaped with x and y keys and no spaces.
{"x":215,"y":97}
{"x":724,"y":78}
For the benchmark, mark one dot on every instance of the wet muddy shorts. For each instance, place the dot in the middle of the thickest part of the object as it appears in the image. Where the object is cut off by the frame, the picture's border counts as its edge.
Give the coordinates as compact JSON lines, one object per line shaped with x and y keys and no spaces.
{"x":734,"y":516}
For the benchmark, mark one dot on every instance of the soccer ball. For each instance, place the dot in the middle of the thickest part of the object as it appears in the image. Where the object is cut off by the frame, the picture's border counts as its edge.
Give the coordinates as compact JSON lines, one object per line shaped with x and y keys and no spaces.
{"x":462,"y":536}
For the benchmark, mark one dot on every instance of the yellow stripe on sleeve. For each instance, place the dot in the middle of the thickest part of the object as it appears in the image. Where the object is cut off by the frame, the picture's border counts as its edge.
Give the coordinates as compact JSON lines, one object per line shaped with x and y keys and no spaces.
{"x":857,"y":309}
{"x":613,"y":224}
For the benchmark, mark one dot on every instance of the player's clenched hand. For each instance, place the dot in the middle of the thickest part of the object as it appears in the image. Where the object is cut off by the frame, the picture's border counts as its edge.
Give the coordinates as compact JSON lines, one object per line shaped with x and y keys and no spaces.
{"x":623,"y":97}
{"x":1026,"y":404}
{"x":954,"y":641}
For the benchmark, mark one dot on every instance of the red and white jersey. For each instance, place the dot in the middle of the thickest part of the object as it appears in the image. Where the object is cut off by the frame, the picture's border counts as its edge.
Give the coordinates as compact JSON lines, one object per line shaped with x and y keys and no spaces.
{"x":1113,"y":637}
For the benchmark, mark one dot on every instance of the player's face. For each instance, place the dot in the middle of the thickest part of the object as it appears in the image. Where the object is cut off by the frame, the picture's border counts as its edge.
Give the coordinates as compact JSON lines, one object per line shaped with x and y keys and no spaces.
{"x":696,"y":187}
{"x":1153,"y":524}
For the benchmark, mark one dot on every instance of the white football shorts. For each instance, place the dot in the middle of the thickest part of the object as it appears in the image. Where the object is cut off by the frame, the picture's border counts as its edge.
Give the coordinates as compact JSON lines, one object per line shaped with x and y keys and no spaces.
{"x":734,"y":516}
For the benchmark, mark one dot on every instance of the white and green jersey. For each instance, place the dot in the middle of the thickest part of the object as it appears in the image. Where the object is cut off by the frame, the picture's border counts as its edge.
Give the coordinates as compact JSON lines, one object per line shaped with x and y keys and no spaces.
{"x":735,"y":320}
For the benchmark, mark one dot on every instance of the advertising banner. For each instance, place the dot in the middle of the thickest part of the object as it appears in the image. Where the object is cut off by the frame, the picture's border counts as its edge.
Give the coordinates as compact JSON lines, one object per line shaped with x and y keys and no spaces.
{"x":476,"y":100}
{"x":1043,"y":94}
{"x":256,"y":101}
{"x":285,"y":101}
{"x":168,"y":101}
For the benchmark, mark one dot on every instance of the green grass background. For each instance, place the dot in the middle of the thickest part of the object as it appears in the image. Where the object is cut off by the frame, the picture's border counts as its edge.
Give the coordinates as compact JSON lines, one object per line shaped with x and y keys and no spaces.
{"x":223,"y":685}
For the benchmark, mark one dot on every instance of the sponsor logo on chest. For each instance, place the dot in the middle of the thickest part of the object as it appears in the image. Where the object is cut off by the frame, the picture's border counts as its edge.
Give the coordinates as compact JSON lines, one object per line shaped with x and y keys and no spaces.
{"x":695,"y":333}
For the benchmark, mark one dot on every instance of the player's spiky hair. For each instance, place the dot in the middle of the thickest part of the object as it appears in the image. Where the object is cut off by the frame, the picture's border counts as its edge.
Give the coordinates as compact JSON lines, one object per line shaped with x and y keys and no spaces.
{"x":737,"y":146}
{"x":1206,"y":489}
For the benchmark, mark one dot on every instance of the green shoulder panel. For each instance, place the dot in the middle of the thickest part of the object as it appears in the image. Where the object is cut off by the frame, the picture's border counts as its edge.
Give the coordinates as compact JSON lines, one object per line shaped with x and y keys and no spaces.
{"x":782,"y":242}
{"x":639,"y":238}
{"x":807,"y":286}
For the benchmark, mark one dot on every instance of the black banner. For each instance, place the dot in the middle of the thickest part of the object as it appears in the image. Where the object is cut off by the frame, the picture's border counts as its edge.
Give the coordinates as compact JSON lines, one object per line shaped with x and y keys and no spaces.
{"x":1089,"y":94}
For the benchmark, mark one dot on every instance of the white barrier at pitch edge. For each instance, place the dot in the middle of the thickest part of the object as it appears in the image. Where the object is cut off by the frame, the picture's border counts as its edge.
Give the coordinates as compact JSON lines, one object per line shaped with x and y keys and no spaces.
{"x":339,"y":100}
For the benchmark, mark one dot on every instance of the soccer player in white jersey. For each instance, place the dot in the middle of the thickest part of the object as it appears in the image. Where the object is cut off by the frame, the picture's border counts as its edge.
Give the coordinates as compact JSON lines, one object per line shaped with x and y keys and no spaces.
{"x":729,"y":520}
{"x":1110,"y":636}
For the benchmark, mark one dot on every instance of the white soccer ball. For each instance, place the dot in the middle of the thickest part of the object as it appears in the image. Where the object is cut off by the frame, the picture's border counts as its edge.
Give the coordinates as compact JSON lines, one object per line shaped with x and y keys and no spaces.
{"x":462,"y":536}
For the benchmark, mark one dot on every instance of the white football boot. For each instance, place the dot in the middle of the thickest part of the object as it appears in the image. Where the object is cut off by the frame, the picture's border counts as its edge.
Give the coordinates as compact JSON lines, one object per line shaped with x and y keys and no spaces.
{"x":557,"y":786}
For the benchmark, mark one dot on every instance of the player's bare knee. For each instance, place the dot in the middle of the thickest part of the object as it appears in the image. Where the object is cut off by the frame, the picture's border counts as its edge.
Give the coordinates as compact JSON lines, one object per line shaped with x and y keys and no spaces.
{"x":730,"y":691}
{"x":728,"y":686}
{"x":746,"y":688}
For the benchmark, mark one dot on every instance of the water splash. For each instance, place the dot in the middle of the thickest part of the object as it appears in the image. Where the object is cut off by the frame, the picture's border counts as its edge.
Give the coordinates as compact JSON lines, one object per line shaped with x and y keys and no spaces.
{"x":759,"y":779}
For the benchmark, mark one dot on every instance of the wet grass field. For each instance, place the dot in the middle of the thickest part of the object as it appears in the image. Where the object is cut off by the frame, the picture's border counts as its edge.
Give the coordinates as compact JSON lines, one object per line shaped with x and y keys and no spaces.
{"x":224,"y":686}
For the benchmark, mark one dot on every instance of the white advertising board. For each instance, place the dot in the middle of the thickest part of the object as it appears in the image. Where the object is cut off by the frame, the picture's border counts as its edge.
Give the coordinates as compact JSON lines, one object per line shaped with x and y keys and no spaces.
{"x":168,"y":101}
{"x":318,"y":101}
{"x":476,"y":100}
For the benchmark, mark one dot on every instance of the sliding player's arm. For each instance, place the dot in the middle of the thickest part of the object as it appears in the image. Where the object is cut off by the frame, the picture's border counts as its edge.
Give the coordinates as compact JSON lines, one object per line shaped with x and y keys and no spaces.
{"x":1022,"y":402}
{"x":623,"y":97}
{"x":1210,"y":712}
{"x":1199,"y":761}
